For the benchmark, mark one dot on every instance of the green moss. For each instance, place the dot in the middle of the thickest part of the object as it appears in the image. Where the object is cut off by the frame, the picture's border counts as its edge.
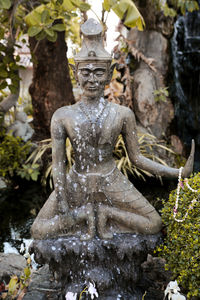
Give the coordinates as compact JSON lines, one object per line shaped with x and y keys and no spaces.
{"x":181,"y":247}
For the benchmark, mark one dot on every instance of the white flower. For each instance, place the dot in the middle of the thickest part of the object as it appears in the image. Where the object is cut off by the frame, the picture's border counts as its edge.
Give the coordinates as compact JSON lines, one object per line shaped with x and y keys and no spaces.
{"x":92,"y":290}
{"x":178,"y":297}
{"x":71,"y":296}
{"x":22,"y":248}
{"x":172,"y":290}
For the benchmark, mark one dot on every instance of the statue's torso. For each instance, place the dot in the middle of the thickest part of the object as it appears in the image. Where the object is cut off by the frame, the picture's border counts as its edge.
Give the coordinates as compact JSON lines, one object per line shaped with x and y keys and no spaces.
{"x":93,"y":142}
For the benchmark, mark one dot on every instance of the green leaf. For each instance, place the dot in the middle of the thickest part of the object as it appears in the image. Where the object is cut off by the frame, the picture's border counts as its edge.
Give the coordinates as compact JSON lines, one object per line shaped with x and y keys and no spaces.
{"x":34,"y":176}
{"x":1,"y":33}
{"x":126,"y":10}
{"x":3,"y":85}
{"x":17,"y":59}
{"x":106,"y":5}
{"x":84,"y":6}
{"x":76,"y":3}
{"x":45,"y":16}
{"x":59,"y":27}
{"x":3,"y":73}
{"x":5,"y":4}
{"x":13,"y":89}
{"x":34,"y":30}
{"x":52,"y":38}
{"x":49,"y":32}
{"x":42,"y":35}
{"x":27,"y":272}
{"x":67,"y":5}
{"x":12,"y":286}
{"x":34,"y":17}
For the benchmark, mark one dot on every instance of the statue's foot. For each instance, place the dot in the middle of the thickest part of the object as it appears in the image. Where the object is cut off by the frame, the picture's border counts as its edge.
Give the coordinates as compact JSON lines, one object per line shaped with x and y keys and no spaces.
{"x":103,"y":213}
{"x":67,"y":221}
{"x":86,"y":213}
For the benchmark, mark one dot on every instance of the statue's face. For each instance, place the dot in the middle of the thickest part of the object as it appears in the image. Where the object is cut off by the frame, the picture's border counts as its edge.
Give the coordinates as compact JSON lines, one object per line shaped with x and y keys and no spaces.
{"x":92,"y":77}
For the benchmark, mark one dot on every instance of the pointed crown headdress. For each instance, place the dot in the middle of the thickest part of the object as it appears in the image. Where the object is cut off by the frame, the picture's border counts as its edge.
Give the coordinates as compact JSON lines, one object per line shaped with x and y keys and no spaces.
{"x":92,"y":45}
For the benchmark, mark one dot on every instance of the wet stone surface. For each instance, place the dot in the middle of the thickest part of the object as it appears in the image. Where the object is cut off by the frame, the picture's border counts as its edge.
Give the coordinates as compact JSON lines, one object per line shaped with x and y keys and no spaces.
{"x":113,"y":265}
{"x":11,"y":264}
{"x":43,"y":286}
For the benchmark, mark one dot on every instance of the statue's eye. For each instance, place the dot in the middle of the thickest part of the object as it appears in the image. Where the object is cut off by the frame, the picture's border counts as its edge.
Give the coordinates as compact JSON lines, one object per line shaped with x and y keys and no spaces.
{"x":85,"y":73}
{"x":99,"y":73}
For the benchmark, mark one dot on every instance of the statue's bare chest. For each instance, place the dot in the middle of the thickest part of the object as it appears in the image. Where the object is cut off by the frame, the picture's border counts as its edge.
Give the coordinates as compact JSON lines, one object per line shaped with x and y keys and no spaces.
{"x":94,"y":129}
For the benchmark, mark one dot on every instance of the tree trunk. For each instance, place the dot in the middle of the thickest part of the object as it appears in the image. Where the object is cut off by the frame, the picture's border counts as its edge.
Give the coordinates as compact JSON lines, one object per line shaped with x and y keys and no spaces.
{"x":51,"y":86}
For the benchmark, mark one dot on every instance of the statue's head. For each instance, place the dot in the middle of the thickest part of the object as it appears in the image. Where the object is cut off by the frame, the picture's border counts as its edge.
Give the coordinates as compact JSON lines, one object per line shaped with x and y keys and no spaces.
{"x":21,"y":116}
{"x":93,"y":69}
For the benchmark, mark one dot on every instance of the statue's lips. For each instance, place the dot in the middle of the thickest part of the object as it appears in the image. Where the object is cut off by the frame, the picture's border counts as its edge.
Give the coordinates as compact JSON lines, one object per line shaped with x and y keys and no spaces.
{"x":92,"y":88}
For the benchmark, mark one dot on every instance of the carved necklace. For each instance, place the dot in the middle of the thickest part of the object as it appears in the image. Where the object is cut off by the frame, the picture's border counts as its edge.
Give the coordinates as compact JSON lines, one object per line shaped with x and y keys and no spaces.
{"x":88,"y":113}
{"x":192,"y":203}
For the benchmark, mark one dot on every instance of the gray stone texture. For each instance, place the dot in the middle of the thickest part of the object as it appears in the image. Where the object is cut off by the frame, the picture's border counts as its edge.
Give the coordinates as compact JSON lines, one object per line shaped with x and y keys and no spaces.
{"x":11,"y":264}
{"x":153,"y":115}
{"x":114,"y":265}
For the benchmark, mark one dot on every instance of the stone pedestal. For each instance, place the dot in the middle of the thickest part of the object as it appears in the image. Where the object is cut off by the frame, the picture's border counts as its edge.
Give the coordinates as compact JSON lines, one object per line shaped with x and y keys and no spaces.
{"x":113,"y":265}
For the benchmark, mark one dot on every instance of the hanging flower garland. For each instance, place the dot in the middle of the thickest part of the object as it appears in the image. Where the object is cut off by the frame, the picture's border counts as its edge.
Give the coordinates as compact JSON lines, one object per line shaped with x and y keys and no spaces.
{"x":192,"y":203}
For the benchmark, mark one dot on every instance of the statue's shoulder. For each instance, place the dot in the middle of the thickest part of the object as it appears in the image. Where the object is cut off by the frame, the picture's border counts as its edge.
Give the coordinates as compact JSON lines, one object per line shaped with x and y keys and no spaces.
{"x":124,"y":111}
{"x":65,"y":112}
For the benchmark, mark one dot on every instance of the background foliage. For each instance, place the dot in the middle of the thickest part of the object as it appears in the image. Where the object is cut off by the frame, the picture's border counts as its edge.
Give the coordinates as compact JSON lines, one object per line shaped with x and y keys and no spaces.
{"x":13,"y":153}
{"x":172,"y":7}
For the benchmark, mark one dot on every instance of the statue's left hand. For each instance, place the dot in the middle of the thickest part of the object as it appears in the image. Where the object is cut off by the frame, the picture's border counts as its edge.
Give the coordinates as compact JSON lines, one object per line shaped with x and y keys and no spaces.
{"x":62,"y":207}
{"x":188,"y":168}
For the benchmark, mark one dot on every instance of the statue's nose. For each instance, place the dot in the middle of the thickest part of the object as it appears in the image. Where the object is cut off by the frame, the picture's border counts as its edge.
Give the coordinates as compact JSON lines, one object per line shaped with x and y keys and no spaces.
{"x":92,"y":77}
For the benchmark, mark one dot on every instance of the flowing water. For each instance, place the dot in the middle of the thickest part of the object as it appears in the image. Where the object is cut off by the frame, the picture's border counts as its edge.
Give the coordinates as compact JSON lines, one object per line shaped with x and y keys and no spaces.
{"x":18,"y":208}
{"x":186,"y":65}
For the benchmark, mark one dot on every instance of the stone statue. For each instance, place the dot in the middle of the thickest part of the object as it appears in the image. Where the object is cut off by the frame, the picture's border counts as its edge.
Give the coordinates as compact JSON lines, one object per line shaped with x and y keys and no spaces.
{"x":95,"y":197}
{"x":20,"y":127}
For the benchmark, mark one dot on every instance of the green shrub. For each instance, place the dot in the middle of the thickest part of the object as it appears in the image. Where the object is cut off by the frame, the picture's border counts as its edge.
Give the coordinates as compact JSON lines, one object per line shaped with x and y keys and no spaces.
{"x":181,"y":247}
{"x":13,"y":153}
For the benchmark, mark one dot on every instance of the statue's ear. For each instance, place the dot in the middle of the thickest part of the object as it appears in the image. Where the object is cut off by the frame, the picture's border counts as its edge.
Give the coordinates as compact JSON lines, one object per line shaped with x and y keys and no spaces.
{"x":112,"y":67}
{"x":74,"y":70}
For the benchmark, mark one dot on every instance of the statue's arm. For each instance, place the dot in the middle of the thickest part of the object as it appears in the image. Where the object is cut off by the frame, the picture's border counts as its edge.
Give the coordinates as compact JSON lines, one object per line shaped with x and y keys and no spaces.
{"x":129,"y":133}
{"x":29,"y":133}
{"x":58,"y":136}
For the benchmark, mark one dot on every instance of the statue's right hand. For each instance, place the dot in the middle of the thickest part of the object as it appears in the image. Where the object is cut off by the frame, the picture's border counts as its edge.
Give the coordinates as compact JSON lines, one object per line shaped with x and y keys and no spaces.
{"x":188,"y":168}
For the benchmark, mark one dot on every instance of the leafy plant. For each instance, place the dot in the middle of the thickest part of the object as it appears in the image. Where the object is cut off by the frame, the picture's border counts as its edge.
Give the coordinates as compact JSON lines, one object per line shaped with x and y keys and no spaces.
{"x":148,"y":145}
{"x":176,"y":6}
{"x":41,"y":20}
{"x":161,"y":94}
{"x":181,"y":246}
{"x":126,"y":11}
{"x":35,"y":158}
{"x":29,"y":171}
{"x":13,"y":153}
{"x":16,"y":287}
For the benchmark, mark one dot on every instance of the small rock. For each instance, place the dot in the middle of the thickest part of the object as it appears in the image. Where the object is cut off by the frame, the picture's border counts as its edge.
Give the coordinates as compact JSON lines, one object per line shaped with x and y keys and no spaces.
{"x":11,"y":264}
